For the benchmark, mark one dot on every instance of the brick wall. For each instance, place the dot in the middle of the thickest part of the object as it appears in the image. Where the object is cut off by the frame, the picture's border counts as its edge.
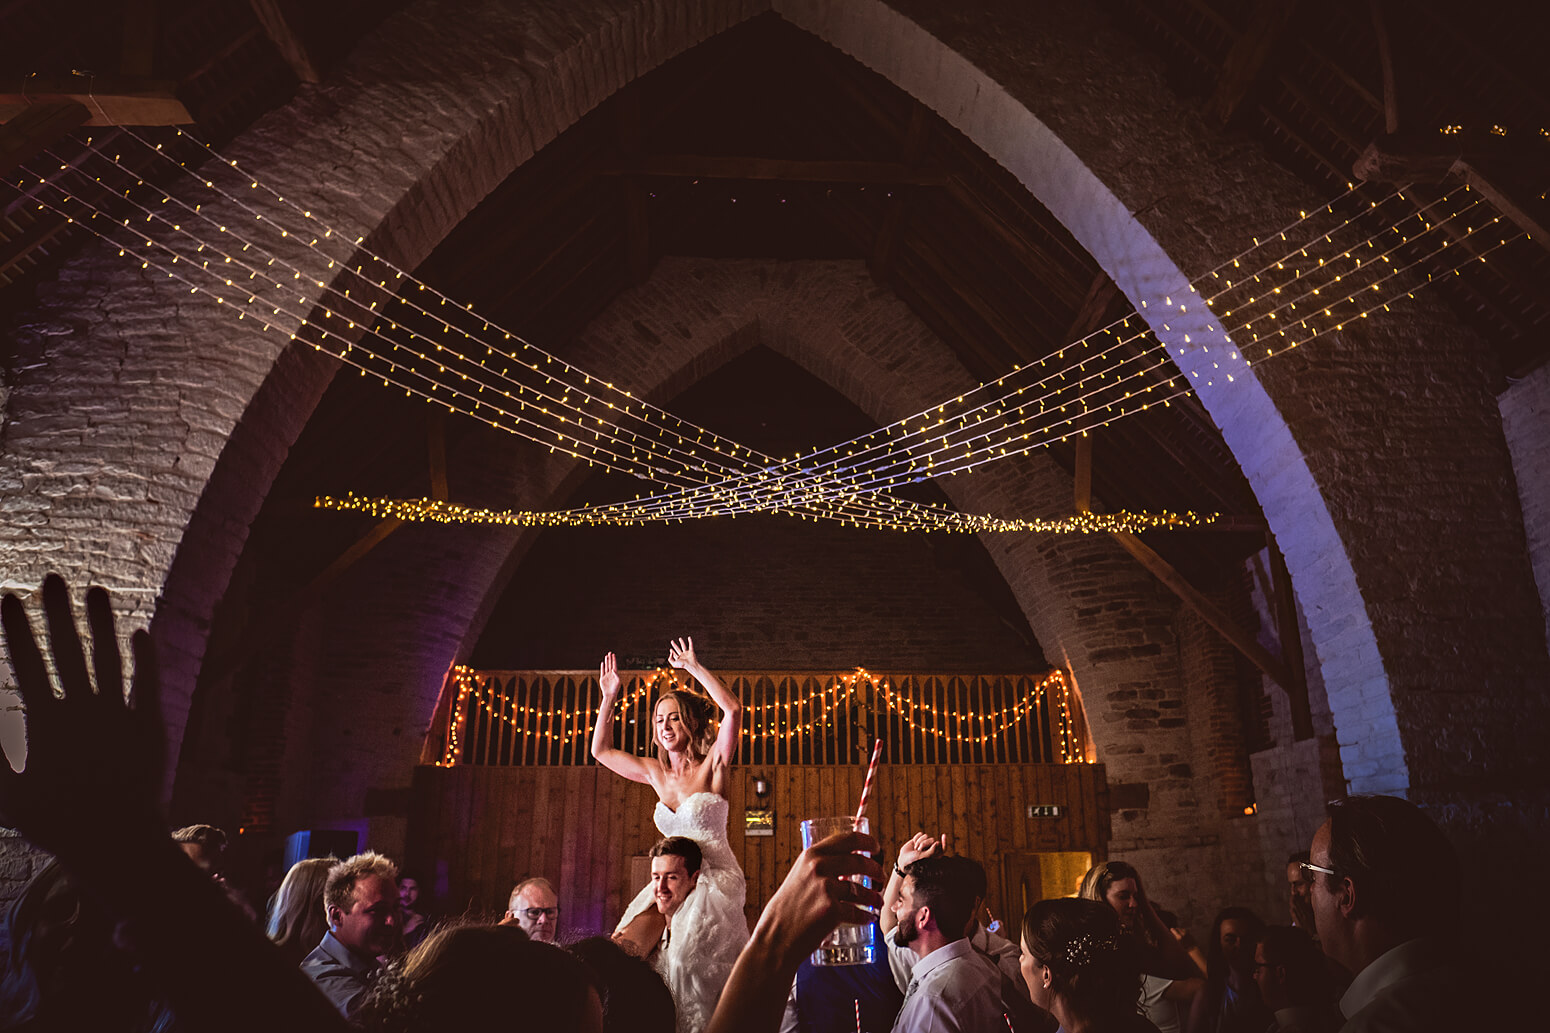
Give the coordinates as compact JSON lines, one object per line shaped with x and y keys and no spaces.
{"x":1525,"y":407}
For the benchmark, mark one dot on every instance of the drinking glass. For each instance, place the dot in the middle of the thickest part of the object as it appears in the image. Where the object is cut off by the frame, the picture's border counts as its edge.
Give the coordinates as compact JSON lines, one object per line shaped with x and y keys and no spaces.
{"x":852,"y":943}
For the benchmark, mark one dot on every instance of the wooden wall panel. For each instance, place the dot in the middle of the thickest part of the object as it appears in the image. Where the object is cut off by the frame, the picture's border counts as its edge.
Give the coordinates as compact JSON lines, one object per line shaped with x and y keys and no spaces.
{"x":475,"y":830}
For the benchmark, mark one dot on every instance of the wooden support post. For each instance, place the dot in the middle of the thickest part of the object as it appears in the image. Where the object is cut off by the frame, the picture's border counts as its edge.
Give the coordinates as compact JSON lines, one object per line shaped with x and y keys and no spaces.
{"x":1257,"y":654}
{"x":1290,"y":635}
{"x":1386,"y":61}
{"x":637,"y":215}
{"x":37,"y":128}
{"x":892,"y":227}
{"x":436,"y":442}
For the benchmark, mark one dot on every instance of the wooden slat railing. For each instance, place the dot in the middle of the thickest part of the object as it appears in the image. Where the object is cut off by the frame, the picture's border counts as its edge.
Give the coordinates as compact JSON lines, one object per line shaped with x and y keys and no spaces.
{"x":789,"y":717}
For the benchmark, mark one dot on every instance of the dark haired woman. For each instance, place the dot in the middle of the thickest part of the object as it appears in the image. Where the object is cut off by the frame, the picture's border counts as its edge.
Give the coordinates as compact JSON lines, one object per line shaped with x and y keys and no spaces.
{"x":690,"y":775}
{"x":1080,"y":969}
{"x":1230,"y":1002}
{"x":475,"y":977}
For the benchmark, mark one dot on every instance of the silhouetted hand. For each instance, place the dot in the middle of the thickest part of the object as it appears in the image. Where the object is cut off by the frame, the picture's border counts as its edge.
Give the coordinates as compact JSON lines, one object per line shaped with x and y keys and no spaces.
{"x":817,"y":894}
{"x":814,"y":899}
{"x":93,"y":759}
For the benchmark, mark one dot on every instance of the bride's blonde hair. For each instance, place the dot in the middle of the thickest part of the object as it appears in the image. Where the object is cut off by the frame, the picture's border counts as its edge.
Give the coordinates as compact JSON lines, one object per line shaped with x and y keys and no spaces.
{"x":695,"y":711}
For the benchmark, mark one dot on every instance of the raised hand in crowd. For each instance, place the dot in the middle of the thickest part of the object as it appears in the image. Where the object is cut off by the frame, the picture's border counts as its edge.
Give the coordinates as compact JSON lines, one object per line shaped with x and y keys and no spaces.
{"x":89,"y":794}
{"x":919,"y":845}
{"x":811,"y":903}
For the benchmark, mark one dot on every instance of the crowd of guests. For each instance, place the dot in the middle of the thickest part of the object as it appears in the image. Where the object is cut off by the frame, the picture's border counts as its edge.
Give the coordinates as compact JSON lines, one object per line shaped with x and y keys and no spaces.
{"x":130,"y":929}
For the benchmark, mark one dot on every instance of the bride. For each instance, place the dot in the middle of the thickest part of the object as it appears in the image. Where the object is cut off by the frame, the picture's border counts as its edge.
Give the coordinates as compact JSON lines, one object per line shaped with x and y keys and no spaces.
{"x":689,"y":773}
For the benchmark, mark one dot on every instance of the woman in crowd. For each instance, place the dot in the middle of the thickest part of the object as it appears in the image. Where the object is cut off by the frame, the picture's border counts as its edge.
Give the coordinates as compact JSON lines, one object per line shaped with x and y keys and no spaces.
{"x":1081,"y":969}
{"x":415,"y":923}
{"x":1230,"y":1002}
{"x":297,"y":922}
{"x":480,"y":977}
{"x":1118,"y":885}
{"x":690,"y":773}
{"x":635,"y":1000}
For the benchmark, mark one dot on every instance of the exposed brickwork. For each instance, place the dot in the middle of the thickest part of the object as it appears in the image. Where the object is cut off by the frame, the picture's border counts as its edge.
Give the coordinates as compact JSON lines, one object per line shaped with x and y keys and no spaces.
{"x":1525,"y":409}
{"x":1211,"y":672}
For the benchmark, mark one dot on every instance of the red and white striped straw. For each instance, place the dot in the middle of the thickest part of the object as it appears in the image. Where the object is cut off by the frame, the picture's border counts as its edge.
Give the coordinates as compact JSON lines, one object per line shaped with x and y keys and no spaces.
{"x":871,"y":775}
{"x":858,"y":1014}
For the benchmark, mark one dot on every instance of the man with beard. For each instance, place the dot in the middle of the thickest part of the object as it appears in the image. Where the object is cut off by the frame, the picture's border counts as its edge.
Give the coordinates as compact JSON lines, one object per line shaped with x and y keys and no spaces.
{"x":952,"y":989}
{"x":1299,"y":887}
{"x":361,"y":901}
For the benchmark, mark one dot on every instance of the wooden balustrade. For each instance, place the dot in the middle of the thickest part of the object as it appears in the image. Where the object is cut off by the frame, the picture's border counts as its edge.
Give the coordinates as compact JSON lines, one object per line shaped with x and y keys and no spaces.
{"x":807,"y":717}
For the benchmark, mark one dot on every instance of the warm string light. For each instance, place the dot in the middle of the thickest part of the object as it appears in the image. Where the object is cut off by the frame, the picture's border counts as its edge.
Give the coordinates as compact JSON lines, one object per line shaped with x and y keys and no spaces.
{"x":849,"y":482}
{"x":389,"y":373}
{"x":838,"y":695}
{"x":439,"y":512}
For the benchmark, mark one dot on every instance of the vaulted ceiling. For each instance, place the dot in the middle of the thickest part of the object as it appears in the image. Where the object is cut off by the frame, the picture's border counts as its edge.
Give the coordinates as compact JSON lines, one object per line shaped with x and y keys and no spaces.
{"x":765,"y":142}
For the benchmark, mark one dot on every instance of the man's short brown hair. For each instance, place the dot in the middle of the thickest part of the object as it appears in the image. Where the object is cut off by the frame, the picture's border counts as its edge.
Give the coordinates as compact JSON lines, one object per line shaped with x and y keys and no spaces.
{"x":339,"y":891}
{"x":680,"y":846}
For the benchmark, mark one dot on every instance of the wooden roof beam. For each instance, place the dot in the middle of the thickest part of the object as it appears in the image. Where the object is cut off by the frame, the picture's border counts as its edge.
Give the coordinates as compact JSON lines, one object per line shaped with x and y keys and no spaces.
{"x":278,"y":19}
{"x":707,"y":166}
{"x":1251,"y":52}
{"x":1224,"y":626}
{"x":109,"y":100}
{"x":37,"y":128}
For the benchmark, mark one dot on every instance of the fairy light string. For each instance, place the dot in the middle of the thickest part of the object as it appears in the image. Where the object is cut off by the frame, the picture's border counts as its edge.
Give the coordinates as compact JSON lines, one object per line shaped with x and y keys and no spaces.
{"x":779,"y":721}
{"x":350,"y":352}
{"x":1280,"y":303}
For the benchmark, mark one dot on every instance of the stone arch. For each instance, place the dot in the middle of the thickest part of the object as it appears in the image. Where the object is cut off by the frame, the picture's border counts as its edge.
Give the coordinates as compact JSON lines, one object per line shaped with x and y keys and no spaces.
{"x":1023,"y":85}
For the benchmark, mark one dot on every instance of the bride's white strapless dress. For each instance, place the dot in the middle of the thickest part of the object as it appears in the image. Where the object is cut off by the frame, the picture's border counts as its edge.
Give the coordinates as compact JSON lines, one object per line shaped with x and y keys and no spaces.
{"x":709,"y":929}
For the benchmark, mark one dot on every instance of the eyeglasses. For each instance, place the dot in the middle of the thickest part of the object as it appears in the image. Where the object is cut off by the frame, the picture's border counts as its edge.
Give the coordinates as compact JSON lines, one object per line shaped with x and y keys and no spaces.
{"x":1308,"y":868}
{"x":533,"y":914}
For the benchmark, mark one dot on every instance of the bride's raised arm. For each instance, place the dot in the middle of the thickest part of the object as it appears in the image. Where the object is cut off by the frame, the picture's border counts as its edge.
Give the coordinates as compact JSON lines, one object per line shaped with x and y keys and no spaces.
{"x":681,"y":655}
{"x":617,"y":761}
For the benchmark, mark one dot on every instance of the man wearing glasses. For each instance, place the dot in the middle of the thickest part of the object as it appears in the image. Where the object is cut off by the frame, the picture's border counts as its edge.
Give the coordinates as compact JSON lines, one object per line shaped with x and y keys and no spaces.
{"x":535,"y":908}
{"x":1385,"y":896}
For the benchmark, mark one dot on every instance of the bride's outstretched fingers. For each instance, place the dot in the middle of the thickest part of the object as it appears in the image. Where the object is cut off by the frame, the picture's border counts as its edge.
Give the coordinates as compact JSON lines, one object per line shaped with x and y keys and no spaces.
{"x":608,"y":675}
{"x":680,"y":652}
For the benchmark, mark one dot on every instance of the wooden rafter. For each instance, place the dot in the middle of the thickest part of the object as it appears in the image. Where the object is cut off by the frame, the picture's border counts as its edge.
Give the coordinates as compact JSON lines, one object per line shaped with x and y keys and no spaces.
{"x":1380,"y":29}
{"x":37,"y":128}
{"x":715,"y":166}
{"x":1245,"y":63}
{"x":109,"y":99}
{"x":278,"y":19}
{"x":1224,"y":625}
